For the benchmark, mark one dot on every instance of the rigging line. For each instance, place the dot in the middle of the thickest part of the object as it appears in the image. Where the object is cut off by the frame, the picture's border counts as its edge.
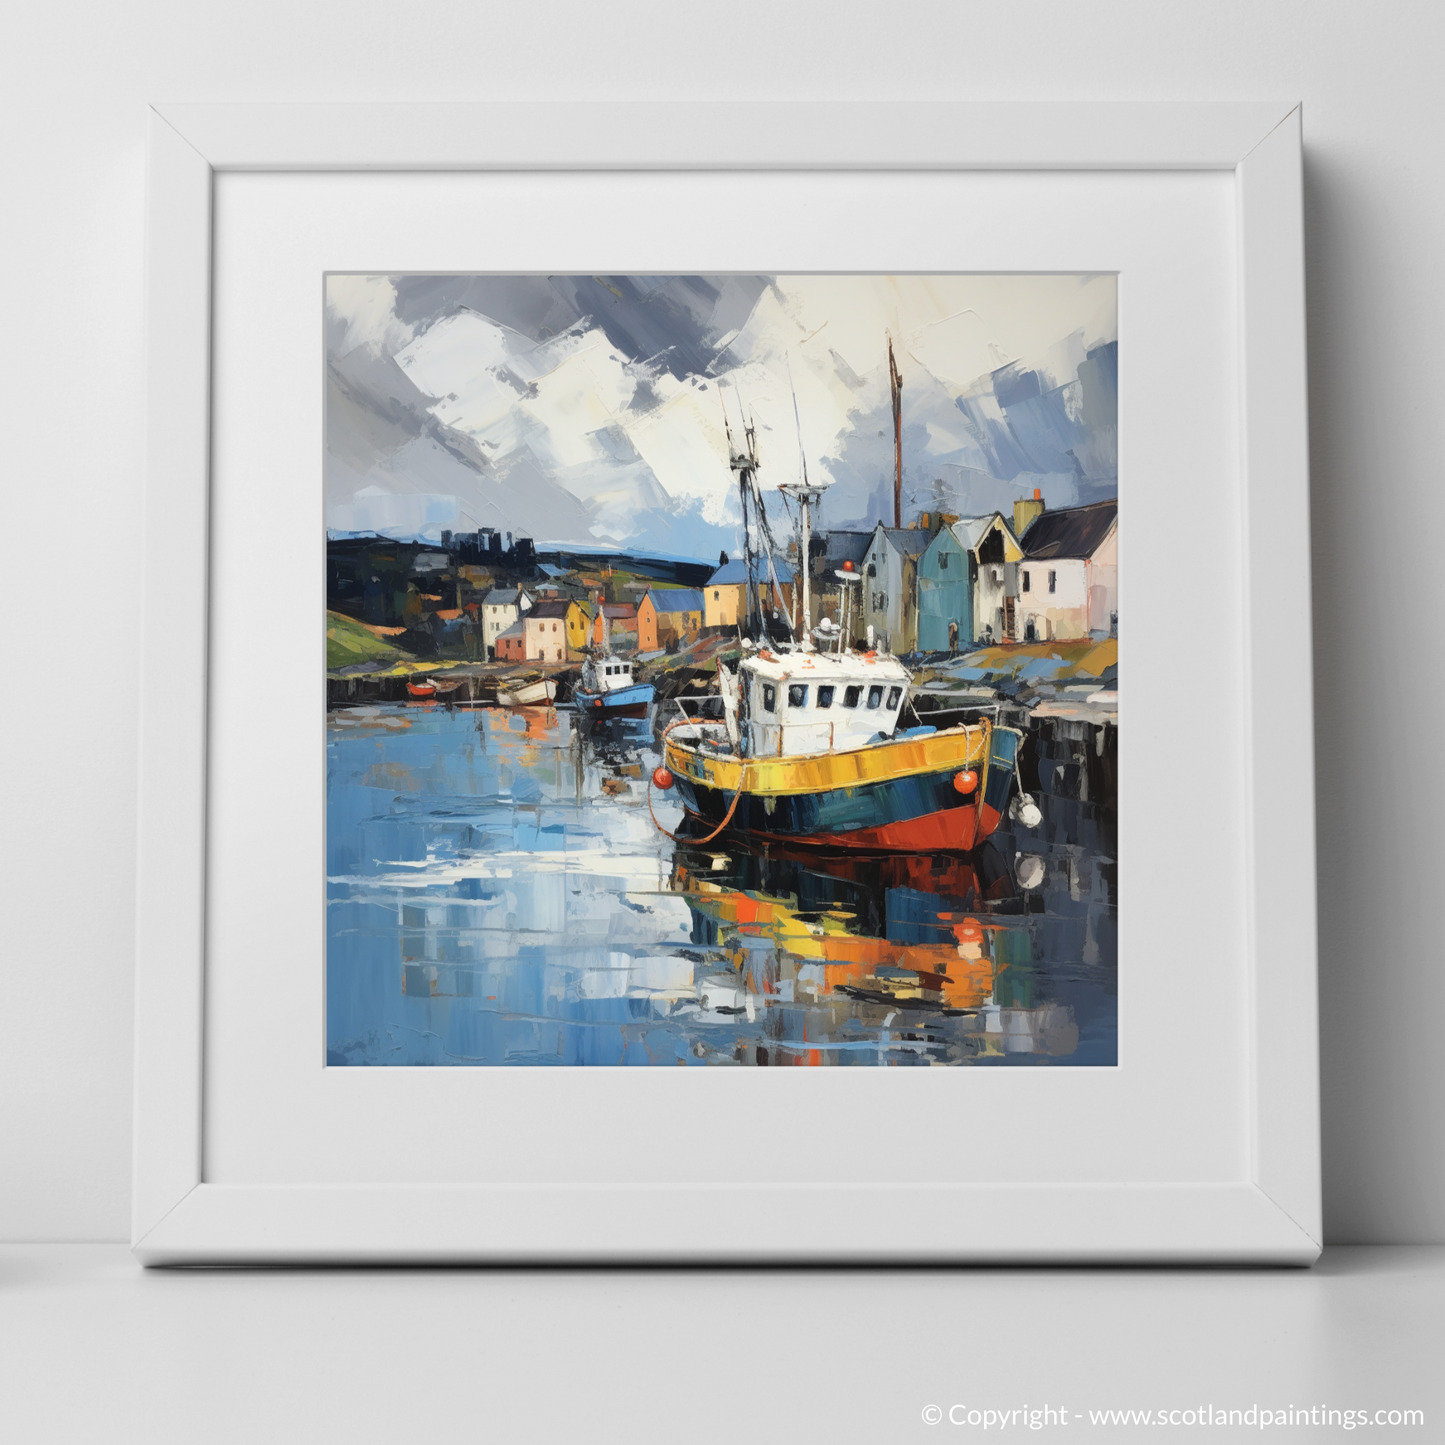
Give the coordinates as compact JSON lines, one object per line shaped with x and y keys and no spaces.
{"x":695,"y":842}
{"x":797,"y":420}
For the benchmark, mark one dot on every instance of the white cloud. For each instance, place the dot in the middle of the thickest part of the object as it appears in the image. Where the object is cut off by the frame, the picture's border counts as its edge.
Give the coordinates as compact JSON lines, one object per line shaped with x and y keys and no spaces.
{"x":644,"y":452}
{"x":366,"y":307}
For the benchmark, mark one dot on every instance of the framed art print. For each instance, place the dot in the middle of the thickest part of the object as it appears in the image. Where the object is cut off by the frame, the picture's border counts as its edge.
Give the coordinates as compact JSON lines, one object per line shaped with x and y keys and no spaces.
{"x":654,"y":753}
{"x":657,"y":735}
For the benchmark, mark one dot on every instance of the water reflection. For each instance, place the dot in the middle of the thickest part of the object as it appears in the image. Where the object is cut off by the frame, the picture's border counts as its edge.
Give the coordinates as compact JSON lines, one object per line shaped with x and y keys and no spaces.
{"x":498,"y":894}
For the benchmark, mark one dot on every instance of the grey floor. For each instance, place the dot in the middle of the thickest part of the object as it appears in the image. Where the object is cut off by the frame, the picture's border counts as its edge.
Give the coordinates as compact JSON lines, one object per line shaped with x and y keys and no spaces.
{"x":93,"y":1348}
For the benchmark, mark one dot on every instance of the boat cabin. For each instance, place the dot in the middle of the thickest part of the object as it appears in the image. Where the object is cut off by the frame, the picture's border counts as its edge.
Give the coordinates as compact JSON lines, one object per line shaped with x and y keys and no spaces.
{"x":610,"y":673}
{"x":794,"y":703}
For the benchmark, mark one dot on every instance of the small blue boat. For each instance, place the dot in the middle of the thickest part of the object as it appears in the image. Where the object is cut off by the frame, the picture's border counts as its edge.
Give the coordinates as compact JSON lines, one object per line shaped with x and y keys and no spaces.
{"x":607,"y":689}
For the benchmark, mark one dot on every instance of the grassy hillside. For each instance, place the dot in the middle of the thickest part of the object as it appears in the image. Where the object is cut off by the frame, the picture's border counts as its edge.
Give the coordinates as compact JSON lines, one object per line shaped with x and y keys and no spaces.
{"x":349,"y":642}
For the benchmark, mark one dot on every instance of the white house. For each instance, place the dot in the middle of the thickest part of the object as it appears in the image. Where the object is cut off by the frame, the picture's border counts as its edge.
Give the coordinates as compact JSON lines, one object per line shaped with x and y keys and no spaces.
{"x":501,"y":607}
{"x":544,"y":630}
{"x":890,"y":586}
{"x":1069,"y":576}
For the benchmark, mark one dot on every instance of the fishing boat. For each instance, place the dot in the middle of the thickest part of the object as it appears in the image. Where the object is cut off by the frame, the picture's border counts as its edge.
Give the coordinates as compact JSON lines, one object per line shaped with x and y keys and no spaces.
{"x":811,"y":751}
{"x":607,"y":688}
{"x":528,"y":694}
{"x":425,"y":689}
{"x":813,"y":748}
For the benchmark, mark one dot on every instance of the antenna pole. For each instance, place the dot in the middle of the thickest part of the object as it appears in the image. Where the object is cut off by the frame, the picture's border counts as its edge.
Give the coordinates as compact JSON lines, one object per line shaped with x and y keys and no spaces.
{"x":896,"y":383}
{"x":805,"y":562}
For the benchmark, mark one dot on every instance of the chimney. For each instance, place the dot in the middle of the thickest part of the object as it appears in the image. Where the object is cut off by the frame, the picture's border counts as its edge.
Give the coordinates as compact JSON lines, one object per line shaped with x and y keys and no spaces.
{"x":1027,"y":512}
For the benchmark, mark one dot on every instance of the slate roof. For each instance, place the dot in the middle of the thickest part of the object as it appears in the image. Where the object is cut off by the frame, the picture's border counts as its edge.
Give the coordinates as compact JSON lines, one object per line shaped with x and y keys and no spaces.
{"x":676,"y":599}
{"x":735,"y":574}
{"x":618,"y":610}
{"x":847,"y":547}
{"x":970,"y":531}
{"x":550,"y":569}
{"x":515,"y":630}
{"x":501,"y":597}
{"x":1072,"y":532}
{"x":557,"y":609}
{"x":910,"y":541}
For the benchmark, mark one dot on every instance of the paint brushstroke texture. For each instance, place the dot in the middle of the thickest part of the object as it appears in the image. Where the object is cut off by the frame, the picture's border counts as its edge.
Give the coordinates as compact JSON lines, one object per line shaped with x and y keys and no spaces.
{"x":587,"y":410}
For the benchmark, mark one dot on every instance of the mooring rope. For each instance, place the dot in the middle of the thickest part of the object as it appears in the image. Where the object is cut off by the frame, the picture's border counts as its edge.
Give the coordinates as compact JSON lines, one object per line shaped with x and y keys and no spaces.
{"x":728,"y":817}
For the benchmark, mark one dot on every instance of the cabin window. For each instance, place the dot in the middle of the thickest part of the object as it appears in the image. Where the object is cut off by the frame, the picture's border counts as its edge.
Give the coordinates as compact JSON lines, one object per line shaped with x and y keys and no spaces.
{"x":1026,"y":581}
{"x":716,"y":594}
{"x":851,"y":696}
{"x":825,"y":695}
{"x":943,"y":561}
{"x":797,"y":694}
{"x":875,"y":695}
{"x":894,"y":693}
{"x":770,"y":697}
{"x":1053,"y":581}
{"x":872,"y":569}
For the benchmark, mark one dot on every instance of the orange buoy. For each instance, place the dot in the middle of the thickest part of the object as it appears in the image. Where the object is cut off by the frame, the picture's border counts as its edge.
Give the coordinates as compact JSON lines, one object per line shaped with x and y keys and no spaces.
{"x":597,"y":702}
{"x":661,"y":778}
{"x":966,"y":781}
{"x":847,"y":566}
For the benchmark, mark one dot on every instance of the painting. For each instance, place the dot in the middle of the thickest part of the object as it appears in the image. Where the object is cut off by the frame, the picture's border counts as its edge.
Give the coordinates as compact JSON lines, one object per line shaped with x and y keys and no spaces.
{"x":721,"y":670}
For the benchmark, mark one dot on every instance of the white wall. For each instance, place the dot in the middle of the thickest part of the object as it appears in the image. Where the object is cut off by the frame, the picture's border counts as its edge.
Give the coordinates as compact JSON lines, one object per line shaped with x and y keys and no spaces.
{"x":79,"y":77}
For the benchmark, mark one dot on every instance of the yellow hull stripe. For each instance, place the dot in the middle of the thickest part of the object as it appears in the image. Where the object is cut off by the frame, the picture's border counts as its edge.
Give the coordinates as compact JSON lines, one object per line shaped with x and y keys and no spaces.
{"x":822,"y":772}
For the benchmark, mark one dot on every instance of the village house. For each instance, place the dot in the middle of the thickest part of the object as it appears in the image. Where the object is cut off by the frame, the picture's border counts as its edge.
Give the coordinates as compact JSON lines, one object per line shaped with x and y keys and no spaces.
{"x":890,"y":586}
{"x":579,"y":624}
{"x":725,"y":596}
{"x":545,"y":629}
{"x":1069,"y":576}
{"x":501,"y":607}
{"x":615,"y":627}
{"x":511,"y":645}
{"x":968,"y":584}
{"x":667,"y":616}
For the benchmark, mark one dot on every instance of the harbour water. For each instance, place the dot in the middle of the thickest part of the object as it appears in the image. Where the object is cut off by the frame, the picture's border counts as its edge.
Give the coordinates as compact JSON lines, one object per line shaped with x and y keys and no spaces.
{"x":499,"y":894}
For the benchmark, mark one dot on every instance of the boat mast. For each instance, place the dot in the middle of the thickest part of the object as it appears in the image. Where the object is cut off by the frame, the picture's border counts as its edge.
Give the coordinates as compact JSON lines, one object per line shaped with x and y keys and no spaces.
{"x":745,"y":464}
{"x":806,"y":495}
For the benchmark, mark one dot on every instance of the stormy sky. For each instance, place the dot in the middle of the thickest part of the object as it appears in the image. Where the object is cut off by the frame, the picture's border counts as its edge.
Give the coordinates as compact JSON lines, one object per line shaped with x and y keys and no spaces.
{"x":591,"y":410}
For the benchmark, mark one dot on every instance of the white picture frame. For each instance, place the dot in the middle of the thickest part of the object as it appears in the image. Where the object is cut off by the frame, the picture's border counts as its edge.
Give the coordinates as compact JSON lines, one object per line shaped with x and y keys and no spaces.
{"x":1270,"y":1214}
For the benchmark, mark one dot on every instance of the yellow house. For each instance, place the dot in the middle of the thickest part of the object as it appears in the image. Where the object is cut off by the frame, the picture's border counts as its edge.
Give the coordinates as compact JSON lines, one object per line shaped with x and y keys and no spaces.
{"x":579,"y":625}
{"x":667,"y":615}
{"x":724,"y":599}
